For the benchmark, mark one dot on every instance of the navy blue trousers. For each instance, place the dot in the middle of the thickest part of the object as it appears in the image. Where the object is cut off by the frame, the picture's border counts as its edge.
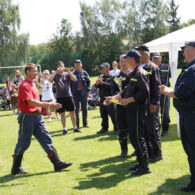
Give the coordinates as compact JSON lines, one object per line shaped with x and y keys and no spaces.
{"x":187,"y":124}
{"x":32,"y":125}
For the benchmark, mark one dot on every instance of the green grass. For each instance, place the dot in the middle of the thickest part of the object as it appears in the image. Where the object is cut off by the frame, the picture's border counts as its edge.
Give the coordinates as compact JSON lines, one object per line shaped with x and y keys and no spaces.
{"x":97,"y":168}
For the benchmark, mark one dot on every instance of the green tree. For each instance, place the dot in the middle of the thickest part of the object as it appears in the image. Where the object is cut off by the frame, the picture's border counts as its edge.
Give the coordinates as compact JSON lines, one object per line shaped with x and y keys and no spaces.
{"x":173,"y":20}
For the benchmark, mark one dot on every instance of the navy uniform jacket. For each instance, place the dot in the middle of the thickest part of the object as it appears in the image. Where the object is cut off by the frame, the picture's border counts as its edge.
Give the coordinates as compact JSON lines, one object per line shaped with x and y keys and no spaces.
{"x":165,"y":74}
{"x":124,"y":82}
{"x":185,"y":89}
{"x":154,"y":79}
{"x":138,"y":88}
{"x":85,"y":83}
{"x":105,"y":88}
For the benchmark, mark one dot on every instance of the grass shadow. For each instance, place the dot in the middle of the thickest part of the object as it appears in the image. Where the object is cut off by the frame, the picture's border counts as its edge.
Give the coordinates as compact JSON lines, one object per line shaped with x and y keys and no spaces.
{"x":172,"y":186}
{"x":110,"y":172}
{"x":10,"y":177}
{"x":108,"y":136}
{"x":6,"y":115}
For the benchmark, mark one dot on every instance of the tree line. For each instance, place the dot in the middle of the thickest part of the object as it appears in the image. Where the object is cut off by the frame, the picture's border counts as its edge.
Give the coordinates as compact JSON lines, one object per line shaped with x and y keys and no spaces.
{"x":108,"y":29}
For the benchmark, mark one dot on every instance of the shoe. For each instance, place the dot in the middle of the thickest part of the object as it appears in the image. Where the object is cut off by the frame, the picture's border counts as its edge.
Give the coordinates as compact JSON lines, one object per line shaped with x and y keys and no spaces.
{"x":16,"y":167}
{"x":116,"y":132}
{"x":102,"y":131}
{"x":164,"y":133}
{"x":76,"y":130}
{"x":86,"y":126}
{"x":155,"y":159}
{"x":64,"y":132}
{"x":58,"y":117}
{"x":141,"y":171}
{"x":49,"y":120}
{"x":57,"y":163}
{"x":123,"y":154}
{"x":189,"y":188}
{"x":133,"y":168}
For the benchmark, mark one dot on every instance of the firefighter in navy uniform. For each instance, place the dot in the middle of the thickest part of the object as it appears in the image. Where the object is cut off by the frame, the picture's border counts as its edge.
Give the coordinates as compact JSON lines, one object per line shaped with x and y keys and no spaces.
{"x":134,"y":99}
{"x":165,"y":74}
{"x":104,"y":85}
{"x":118,"y":84}
{"x":152,"y":122}
{"x":184,"y":101}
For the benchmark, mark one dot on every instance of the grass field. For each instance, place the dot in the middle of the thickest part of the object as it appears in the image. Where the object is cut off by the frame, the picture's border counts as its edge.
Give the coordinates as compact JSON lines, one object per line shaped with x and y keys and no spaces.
{"x":97,"y":168}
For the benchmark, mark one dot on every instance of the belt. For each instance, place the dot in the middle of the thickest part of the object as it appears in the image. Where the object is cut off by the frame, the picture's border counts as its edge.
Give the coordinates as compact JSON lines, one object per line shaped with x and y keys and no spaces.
{"x":78,"y":89}
{"x":36,"y":113}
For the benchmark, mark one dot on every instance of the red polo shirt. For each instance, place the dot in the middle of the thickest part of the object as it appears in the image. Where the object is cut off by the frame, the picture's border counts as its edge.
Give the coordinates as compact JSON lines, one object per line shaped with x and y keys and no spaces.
{"x":27,"y":91}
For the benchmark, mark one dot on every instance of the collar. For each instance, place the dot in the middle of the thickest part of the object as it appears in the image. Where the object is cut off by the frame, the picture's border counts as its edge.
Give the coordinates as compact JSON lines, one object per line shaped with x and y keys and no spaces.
{"x":189,"y":64}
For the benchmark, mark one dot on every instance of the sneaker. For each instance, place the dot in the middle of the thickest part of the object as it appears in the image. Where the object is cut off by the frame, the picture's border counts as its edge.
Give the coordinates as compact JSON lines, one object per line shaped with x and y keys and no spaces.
{"x":18,"y":171}
{"x":64,"y":132}
{"x":58,"y":117}
{"x":102,"y":131}
{"x":76,"y":130}
{"x":49,"y":120}
{"x":86,"y":126}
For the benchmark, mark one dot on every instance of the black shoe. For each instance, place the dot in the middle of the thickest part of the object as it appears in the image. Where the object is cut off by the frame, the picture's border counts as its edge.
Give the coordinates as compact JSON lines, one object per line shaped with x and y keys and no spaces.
{"x":76,"y":130}
{"x":141,"y":171}
{"x":16,"y":167}
{"x":64,"y":132}
{"x":18,"y":171}
{"x":123,"y":154}
{"x":86,"y":126}
{"x":189,"y":188}
{"x":155,"y":159}
{"x":116,"y":132}
{"x":57,"y":163}
{"x":102,"y":131}
{"x":164,"y":133}
{"x":133,"y":168}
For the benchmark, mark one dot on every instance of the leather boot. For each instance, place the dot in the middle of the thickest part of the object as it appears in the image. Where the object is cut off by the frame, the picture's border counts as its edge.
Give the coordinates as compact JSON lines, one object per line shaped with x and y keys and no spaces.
{"x":57,"y":163}
{"x":124,"y":147}
{"x":16,"y":167}
{"x":164,"y":130}
{"x":142,"y":167}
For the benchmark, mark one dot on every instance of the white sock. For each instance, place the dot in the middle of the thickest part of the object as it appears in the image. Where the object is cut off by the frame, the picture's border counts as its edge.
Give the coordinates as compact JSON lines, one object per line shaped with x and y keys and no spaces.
{"x":75,"y":127}
{"x":65,"y":129}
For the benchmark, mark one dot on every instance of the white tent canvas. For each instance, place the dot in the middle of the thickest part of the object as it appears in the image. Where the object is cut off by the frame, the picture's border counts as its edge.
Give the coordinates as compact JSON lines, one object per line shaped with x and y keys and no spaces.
{"x":171,"y":43}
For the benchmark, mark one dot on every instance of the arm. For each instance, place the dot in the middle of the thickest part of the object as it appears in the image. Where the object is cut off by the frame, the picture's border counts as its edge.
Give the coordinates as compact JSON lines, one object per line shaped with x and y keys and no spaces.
{"x":72,"y":76}
{"x":52,"y":76}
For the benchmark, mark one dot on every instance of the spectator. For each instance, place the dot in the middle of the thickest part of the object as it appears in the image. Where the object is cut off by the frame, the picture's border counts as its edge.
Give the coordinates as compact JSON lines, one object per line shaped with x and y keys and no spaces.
{"x":115,"y":71}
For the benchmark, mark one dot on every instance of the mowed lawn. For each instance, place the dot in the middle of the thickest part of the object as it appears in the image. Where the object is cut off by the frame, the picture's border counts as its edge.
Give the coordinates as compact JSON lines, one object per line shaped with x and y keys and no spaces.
{"x":98,"y":168}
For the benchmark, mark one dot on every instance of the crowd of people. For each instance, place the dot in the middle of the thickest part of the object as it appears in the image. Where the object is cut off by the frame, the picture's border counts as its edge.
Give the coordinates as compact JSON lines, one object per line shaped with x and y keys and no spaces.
{"x":133,"y":97}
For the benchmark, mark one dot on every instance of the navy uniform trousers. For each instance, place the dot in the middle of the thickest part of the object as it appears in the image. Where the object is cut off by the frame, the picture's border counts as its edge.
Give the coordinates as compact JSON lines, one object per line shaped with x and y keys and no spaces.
{"x":32,"y":125}
{"x":164,"y":108}
{"x":105,"y":111}
{"x":187,"y":125}
{"x":135,"y":121}
{"x":79,"y":99}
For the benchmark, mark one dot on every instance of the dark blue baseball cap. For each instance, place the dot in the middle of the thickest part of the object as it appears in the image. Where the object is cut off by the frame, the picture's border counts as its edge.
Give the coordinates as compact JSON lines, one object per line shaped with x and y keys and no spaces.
{"x":189,"y":43}
{"x":142,"y":48}
{"x":133,"y":54}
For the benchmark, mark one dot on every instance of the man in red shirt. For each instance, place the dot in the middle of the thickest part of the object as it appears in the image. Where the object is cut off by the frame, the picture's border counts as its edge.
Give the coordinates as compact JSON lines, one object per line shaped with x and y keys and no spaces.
{"x":31,"y":123}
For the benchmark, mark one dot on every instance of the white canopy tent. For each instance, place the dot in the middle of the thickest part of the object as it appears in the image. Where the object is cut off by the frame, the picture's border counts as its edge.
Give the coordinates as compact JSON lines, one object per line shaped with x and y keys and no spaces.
{"x":171,"y":43}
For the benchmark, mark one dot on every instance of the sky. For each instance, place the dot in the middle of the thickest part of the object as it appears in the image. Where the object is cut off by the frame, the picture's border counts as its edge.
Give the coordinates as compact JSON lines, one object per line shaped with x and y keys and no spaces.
{"x":40,"y":18}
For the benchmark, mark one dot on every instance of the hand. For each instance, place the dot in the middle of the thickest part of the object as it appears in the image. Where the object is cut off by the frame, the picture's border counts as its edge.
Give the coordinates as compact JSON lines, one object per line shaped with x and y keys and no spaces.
{"x":153,"y":108}
{"x":125,"y":102}
{"x":97,"y":82}
{"x":164,"y":89}
{"x":54,"y":105}
{"x":106,"y":103}
{"x":88,"y":95}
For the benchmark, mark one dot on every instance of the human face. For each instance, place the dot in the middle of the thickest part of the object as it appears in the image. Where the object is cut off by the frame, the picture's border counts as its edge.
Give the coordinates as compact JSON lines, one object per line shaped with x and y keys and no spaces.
{"x":144,"y":57}
{"x":61,"y":67}
{"x":78,"y":66}
{"x":189,"y":53}
{"x":123,"y":63}
{"x":105,"y":70}
{"x":46,"y":76}
{"x":32,"y":73}
{"x":157,"y":60}
{"x":114,"y":66}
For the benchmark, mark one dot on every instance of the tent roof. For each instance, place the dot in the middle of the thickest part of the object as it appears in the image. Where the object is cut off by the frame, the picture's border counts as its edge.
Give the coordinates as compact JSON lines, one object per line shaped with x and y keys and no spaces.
{"x":175,"y":39}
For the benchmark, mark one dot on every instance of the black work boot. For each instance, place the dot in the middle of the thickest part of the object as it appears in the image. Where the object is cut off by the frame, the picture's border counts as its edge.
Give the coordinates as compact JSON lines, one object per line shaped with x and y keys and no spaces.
{"x":57,"y":163}
{"x":124,"y":148}
{"x":157,"y":156}
{"x":142,"y":167}
{"x":16,"y":167}
{"x":189,"y":188}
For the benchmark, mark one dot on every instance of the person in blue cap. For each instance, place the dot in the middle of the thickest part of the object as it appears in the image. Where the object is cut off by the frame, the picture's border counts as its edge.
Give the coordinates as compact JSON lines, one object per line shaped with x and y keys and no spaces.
{"x":165,"y":75}
{"x":184,"y":101}
{"x":134,"y":99}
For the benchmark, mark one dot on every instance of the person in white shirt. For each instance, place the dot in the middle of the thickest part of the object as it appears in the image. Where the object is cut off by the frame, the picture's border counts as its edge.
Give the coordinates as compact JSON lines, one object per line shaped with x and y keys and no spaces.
{"x":115,"y":71}
{"x":47,"y":94}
